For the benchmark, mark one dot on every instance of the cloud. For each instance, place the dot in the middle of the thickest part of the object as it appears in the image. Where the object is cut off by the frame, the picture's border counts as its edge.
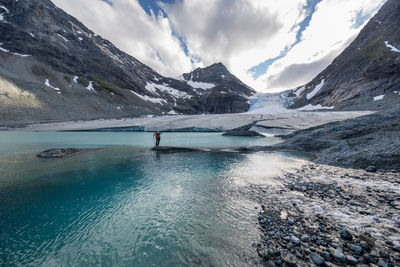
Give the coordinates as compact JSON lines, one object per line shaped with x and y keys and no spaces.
{"x":241,"y":34}
{"x":148,"y":38}
{"x":333,"y":26}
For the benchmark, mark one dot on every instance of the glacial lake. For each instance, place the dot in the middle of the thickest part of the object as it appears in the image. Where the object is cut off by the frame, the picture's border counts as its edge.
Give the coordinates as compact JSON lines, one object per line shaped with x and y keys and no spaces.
{"x":125,"y":205}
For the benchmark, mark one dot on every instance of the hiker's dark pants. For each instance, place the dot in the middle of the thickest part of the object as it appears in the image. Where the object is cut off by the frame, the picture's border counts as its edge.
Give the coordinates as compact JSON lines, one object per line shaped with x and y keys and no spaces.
{"x":158,"y":141}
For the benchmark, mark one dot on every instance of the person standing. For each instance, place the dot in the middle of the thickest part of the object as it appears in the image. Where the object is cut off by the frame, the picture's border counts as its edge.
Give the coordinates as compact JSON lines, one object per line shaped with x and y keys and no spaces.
{"x":157,"y":135}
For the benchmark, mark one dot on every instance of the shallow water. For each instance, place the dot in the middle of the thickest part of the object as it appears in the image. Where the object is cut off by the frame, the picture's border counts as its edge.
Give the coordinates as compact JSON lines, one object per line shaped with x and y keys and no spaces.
{"x":31,"y":142}
{"x":132,"y":207}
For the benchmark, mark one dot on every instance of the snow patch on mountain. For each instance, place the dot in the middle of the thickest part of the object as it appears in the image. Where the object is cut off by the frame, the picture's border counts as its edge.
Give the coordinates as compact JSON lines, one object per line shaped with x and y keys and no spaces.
{"x":153,"y":87}
{"x":90,"y":86}
{"x":3,"y":49}
{"x":65,"y":39}
{"x":379,"y":97}
{"x":316,"y":90}
{"x":150,"y":99}
{"x":299,"y":90}
{"x":47,"y":83}
{"x":2,"y":14}
{"x":201,"y":85}
{"x":392,"y":48}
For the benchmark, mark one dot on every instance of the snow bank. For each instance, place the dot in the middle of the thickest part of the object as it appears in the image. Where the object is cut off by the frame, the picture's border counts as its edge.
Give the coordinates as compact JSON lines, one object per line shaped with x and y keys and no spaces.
{"x":150,"y":99}
{"x":316,"y":90}
{"x":152,"y":87}
{"x":201,"y":85}
{"x":47,"y":83}
{"x":312,"y":107}
{"x":392,"y":48}
{"x":299,"y":90}
{"x":76,"y":79}
{"x":379,"y":97}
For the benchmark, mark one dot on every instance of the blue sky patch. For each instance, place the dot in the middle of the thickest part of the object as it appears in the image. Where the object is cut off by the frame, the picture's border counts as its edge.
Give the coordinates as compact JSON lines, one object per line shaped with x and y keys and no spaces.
{"x":263,"y":67}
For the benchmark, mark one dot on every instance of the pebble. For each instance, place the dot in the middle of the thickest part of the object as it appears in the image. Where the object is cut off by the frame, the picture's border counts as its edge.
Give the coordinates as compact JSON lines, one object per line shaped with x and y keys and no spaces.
{"x":371,"y":169}
{"x":304,"y":238}
{"x":317,"y":259}
{"x":382,"y":263}
{"x":345,"y":234}
{"x":364,"y":245}
{"x":295,"y":240}
{"x":290,"y":222}
{"x":327,"y":256}
{"x":338,"y":255}
{"x":356,"y":249}
{"x":351,"y":260}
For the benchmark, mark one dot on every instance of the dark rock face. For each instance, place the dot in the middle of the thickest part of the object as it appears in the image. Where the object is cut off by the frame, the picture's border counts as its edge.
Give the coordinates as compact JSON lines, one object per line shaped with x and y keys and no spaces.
{"x":228,"y":95}
{"x":371,"y":140}
{"x":87,"y":77}
{"x":365,"y":69}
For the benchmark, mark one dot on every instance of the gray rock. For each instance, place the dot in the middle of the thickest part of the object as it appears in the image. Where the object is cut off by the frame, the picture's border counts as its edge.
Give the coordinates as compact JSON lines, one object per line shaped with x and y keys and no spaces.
{"x":371,"y":169}
{"x":351,"y":260}
{"x":345,"y":234}
{"x":338,"y":255}
{"x":295,"y":240}
{"x":327,"y":256}
{"x":317,"y":259}
{"x":364,"y":245}
{"x":356,"y":249}
{"x":290,"y":222}
{"x":382,"y":263}
{"x":58,"y":153}
{"x":304,"y":238}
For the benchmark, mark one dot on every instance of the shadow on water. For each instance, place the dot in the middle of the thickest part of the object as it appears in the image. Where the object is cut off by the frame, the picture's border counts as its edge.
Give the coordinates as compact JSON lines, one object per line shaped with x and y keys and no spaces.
{"x":120,"y":206}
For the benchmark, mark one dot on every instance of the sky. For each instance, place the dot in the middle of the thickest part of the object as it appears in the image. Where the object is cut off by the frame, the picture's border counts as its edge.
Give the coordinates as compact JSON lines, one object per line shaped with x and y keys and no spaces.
{"x":270,"y":45}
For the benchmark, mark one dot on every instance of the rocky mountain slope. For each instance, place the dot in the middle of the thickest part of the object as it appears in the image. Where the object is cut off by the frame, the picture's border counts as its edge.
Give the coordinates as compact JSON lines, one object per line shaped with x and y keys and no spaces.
{"x":366,"y":74}
{"x":221,"y":92}
{"x":53,"y":68}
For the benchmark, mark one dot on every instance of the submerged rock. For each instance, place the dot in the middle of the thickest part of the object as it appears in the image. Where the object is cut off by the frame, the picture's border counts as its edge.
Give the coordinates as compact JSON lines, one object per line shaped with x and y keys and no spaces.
{"x":58,"y":153}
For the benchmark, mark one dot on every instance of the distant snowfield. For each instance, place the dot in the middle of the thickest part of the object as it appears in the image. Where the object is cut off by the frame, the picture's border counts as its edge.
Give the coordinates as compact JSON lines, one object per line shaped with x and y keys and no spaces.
{"x":201,"y":85}
{"x":152,"y":87}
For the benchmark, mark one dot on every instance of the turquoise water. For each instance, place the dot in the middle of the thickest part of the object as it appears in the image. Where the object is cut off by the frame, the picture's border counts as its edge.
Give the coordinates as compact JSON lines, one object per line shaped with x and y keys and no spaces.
{"x":33,"y":142}
{"x":129,"y":206}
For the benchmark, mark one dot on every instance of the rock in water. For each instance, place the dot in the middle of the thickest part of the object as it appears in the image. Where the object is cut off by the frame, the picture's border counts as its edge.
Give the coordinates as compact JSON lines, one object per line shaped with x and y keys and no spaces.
{"x":58,"y":153}
{"x":371,"y":169}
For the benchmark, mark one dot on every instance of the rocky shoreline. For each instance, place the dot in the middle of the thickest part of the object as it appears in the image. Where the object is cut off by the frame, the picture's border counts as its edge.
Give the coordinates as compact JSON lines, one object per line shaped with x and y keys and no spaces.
{"x":330,"y":216}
